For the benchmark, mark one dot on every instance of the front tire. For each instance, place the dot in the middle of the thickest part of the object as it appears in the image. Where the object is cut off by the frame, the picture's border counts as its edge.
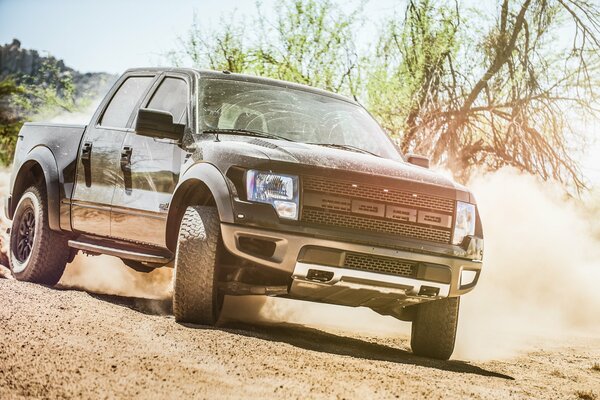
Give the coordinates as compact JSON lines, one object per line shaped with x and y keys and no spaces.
{"x":434,"y":328}
{"x":37,"y":254}
{"x":196,"y":297}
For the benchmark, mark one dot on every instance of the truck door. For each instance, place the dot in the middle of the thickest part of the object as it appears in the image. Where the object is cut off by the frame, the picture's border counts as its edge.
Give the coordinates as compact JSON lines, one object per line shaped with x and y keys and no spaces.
{"x":98,"y":168}
{"x":141,"y":200}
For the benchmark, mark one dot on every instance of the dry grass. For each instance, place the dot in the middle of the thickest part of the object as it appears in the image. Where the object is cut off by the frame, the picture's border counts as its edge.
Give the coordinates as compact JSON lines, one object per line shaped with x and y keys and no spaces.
{"x":586,"y":395}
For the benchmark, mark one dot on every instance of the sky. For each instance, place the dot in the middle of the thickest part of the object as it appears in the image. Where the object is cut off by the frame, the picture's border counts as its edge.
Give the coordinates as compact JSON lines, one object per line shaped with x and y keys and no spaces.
{"x":113,"y":35}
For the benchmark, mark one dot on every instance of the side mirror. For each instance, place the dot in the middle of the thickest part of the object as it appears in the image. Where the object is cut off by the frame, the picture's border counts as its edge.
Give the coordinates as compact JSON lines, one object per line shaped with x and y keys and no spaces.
{"x":421,"y":161}
{"x":158,"y":124}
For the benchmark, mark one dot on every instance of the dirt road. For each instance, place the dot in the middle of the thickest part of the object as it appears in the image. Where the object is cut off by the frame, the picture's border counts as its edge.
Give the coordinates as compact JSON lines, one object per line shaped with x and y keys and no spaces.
{"x":72,"y":344}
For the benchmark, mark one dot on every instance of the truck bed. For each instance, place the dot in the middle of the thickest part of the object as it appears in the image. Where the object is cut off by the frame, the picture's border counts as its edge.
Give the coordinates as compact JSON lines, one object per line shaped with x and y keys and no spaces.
{"x":61,"y":139}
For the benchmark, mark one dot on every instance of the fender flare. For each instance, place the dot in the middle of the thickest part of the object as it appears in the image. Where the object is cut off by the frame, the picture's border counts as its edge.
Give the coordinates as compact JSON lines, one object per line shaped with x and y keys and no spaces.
{"x":43,"y":157}
{"x":202,"y":180}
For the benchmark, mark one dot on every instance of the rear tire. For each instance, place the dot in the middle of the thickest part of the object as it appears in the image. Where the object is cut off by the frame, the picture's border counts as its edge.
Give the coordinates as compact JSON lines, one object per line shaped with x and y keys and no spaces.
{"x":37,"y":254}
{"x":434,"y":328}
{"x":196,"y":297}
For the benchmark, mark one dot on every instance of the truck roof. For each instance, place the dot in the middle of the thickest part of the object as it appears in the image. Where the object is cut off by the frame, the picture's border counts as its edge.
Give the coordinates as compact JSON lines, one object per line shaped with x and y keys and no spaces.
{"x":206,"y":73}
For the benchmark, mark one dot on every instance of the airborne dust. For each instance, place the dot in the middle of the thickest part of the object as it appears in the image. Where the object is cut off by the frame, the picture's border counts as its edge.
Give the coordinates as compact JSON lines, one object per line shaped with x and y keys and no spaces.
{"x":539,"y":283}
{"x":541,"y":268}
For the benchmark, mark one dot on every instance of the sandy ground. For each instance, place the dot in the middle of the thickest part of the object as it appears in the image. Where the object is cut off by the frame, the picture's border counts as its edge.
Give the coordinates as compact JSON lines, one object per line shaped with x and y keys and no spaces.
{"x":59,"y":343}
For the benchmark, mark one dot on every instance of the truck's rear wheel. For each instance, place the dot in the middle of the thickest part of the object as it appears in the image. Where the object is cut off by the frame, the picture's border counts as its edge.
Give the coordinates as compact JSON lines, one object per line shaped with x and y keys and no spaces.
{"x":37,"y":254}
{"x":196,"y":297}
{"x":434,"y":328}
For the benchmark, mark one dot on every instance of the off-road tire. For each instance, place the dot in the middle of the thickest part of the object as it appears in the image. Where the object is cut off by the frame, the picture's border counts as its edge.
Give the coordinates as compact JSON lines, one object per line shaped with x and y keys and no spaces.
{"x":434,"y":328}
{"x":49,"y":252}
{"x":196,"y":297}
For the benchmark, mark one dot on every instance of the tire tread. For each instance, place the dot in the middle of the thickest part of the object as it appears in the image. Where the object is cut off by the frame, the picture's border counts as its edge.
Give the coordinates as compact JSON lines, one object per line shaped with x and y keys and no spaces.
{"x":434,"y":328}
{"x":51,"y":252}
{"x":195,"y":295}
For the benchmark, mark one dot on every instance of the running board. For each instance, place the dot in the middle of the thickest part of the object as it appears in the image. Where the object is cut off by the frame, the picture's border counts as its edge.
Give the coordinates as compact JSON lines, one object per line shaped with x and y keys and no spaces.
{"x":121,"y":253}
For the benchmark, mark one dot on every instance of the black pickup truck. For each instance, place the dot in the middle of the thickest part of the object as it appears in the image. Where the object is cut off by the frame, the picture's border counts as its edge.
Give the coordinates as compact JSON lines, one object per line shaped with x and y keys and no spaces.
{"x":246,"y":185}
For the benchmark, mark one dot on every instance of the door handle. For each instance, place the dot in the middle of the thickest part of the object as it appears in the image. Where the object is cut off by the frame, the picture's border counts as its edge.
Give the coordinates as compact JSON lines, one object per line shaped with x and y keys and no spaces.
{"x":126,"y":158}
{"x":86,"y":159}
{"x":86,"y":153}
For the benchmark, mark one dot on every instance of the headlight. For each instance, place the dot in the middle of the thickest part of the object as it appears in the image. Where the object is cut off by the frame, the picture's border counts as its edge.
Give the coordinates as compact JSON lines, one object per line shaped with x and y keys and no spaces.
{"x":464,"y":224}
{"x":281,"y":191}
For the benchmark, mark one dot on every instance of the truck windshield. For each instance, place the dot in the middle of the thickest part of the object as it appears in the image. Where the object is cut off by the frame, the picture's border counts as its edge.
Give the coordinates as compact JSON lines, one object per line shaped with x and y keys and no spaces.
{"x":231,"y":106}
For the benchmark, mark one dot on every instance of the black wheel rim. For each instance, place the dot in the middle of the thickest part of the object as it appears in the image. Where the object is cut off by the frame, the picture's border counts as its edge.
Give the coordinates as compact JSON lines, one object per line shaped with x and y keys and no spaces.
{"x":25,"y":235}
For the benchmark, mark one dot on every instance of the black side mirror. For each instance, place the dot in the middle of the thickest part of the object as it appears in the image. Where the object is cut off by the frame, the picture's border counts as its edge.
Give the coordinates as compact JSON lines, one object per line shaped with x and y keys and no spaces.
{"x":421,"y":161}
{"x":158,"y":124}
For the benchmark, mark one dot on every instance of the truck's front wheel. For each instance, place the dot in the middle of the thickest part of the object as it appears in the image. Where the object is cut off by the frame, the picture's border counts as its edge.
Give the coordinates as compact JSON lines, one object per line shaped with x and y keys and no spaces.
{"x":434,"y":328}
{"x":196,"y":297}
{"x":37,"y":254}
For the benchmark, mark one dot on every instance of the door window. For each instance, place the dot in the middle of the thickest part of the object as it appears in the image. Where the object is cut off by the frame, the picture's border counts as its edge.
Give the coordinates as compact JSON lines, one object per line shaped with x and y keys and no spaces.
{"x":121,"y":105}
{"x":171,"y":96}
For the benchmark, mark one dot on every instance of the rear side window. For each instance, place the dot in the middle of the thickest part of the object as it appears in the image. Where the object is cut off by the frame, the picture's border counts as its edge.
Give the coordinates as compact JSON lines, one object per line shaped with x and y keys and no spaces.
{"x":121,"y":105}
{"x":171,"y":96}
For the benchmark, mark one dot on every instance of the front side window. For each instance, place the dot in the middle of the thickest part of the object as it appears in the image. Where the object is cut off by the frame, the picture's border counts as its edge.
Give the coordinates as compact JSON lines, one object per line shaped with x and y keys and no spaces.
{"x":293,"y":114}
{"x":121,"y":105}
{"x":171,"y":96}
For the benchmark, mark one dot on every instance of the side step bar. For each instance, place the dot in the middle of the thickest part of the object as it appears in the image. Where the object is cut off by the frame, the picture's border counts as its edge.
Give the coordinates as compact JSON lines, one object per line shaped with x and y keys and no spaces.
{"x":121,"y":253}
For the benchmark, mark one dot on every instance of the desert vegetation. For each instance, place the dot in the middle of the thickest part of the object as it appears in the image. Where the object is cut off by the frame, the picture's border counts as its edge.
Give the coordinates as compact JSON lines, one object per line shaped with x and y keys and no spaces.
{"x":23,"y":97}
{"x":466,"y":85}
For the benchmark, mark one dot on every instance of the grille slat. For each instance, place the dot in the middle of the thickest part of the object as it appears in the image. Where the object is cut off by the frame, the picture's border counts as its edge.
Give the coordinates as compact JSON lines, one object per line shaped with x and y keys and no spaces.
{"x":378,"y":264}
{"x":316,"y":216}
{"x":346,"y":189}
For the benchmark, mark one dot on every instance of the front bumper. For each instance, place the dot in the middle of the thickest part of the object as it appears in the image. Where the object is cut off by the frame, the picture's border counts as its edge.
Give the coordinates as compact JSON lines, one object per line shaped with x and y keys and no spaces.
{"x":335,"y":284}
{"x":385,"y":294}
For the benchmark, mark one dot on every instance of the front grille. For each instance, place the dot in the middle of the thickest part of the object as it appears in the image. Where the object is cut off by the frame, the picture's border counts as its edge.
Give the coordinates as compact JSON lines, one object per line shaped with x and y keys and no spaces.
{"x":382,"y":265}
{"x":323,"y":217}
{"x":333,"y":187}
{"x":362,"y":207}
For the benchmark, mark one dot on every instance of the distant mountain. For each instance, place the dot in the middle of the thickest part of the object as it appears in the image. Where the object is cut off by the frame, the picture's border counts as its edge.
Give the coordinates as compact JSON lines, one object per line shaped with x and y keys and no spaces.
{"x":28,"y":66}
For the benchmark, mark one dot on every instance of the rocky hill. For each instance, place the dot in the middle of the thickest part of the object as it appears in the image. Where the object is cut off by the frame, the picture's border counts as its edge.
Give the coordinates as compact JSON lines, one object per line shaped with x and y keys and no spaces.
{"x":29,"y":66}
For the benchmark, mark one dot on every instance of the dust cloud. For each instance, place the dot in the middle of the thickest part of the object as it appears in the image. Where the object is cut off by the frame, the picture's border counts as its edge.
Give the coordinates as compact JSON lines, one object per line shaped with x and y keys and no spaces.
{"x":77,"y":117}
{"x":4,"y":223}
{"x":108,"y":275}
{"x":541,"y":268}
{"x":330,"y":318}
{"x":4,"y":181}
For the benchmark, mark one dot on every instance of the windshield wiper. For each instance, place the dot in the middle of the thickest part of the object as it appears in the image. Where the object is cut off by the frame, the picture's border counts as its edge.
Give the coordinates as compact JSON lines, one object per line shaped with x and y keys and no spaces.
{"x":346,"y":147}
{"x":245,"y":132}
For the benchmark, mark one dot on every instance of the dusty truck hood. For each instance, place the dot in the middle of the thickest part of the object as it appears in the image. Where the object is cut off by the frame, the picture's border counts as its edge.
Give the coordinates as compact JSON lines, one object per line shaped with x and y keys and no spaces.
{"x":273,"y":154}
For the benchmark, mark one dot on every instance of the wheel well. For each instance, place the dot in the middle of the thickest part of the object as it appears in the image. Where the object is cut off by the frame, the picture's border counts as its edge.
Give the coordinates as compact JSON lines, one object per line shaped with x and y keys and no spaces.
{"x":31,"y":173}
{"x":192,"y":192}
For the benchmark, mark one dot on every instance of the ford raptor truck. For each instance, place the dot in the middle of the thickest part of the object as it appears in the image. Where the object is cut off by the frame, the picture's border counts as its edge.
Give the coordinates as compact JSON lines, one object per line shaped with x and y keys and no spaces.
{"x":247,"y":186}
